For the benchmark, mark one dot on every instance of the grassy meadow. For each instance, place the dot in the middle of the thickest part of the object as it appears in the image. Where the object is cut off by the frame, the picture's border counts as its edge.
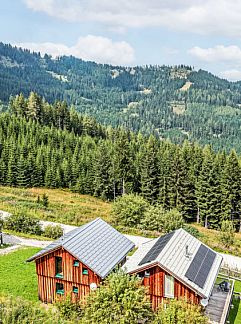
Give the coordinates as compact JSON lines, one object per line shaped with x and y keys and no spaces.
{"x":18,"y":277}
{"x":64,"y":206}
{"x":75,"y":209}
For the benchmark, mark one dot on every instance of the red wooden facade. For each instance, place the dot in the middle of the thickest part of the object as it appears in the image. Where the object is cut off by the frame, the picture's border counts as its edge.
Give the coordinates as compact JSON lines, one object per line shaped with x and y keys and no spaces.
{"x":75,"y":277}
{"x":154,"y":280}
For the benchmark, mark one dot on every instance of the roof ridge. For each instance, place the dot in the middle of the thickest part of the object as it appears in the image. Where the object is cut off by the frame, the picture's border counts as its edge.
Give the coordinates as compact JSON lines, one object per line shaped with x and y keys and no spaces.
{"x":78,"y":230}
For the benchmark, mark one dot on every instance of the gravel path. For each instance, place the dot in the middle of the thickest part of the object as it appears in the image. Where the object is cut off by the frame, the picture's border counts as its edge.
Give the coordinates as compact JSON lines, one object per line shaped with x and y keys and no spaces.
{"x":230,"y":261}
{"x":9,"y":249}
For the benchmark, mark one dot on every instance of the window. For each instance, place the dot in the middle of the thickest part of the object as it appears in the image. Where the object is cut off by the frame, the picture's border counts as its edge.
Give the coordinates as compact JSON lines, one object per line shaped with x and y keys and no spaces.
{"x":59,"y":288}
{"x":75,"y":290}
{"x":169,"y":286}
{"x":58,"y":267}
{"x":147,"y":274}
{"x":76,"y":263}
{"x":85,"y":271}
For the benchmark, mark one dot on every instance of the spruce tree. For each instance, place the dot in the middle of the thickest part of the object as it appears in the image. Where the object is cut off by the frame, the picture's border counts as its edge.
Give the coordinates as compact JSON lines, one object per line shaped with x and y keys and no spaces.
{"x":149,"y":171}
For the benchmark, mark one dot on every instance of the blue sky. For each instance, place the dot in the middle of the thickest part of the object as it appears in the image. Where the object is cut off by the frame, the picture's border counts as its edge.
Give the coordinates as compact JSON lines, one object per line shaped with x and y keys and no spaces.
{"x":202,"y":33}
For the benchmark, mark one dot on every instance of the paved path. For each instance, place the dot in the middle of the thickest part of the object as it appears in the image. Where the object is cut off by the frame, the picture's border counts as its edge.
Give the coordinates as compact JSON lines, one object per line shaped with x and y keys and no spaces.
{"x":9,"y":249}
{"x":17,"y":240}
{"x":229,"y":260}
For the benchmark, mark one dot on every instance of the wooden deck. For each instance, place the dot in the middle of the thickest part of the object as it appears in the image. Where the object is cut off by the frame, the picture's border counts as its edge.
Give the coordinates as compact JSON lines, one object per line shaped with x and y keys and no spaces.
{"x":218,"y":306}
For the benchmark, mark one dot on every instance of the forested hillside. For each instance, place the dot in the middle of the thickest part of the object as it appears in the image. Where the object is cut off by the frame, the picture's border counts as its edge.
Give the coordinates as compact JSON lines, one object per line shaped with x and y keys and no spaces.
{"x":52,"y":146}
{"x":170,"y":102}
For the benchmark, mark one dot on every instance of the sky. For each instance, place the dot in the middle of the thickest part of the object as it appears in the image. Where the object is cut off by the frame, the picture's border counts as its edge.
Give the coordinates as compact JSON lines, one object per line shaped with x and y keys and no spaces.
{"x":201,"y":33}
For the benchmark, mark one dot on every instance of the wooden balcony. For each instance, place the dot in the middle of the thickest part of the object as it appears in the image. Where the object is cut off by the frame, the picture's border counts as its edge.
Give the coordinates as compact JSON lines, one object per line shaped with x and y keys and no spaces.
{"x":219,"y":303}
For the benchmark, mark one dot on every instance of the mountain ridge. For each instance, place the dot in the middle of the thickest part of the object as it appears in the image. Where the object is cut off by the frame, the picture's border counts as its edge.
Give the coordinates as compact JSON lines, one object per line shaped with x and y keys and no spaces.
{"x":172,"y":102}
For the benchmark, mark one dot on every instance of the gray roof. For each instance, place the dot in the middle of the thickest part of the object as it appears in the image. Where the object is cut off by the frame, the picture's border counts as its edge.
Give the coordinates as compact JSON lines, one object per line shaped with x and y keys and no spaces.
{"x":96,"y":244}
{"x":173,"y":259}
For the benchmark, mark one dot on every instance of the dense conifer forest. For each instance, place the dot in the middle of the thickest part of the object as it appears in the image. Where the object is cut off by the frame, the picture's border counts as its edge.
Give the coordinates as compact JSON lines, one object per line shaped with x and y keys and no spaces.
{"x":50,"y":145}
{"x":170,"y":102}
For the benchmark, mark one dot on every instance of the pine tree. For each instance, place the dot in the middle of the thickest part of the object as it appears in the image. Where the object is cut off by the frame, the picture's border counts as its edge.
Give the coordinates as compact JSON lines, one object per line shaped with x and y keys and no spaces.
{"x":204,"y":187}
{"x":23,"y":176}
{"x":231,"y":184}
{"x":149,"y":171}
{"x":34,"y":107}
{"x":103,"y":182}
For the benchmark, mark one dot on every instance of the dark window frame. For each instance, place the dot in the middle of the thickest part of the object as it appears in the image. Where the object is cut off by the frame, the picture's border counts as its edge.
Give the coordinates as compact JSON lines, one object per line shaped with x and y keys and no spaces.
{"x":59,"y":288}
{"x":58,"y":267}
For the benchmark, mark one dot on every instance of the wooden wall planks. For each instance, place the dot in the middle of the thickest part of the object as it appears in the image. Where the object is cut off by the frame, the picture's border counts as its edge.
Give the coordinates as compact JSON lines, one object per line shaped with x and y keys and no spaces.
{"x":72,"y":277}
{"x":155,"y":286}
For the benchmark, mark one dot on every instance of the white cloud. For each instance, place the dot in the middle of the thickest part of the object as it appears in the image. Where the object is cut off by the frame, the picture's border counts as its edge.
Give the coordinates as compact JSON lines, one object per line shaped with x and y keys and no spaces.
{"x":222,"y":17}
{"x":92,"y":48}
{"x":232,"y":75}
{"x":219,"y":53}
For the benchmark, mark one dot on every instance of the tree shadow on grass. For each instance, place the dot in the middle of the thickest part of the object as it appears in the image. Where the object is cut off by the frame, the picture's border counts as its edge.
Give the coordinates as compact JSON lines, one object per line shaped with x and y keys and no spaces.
{"x":234,"y":312}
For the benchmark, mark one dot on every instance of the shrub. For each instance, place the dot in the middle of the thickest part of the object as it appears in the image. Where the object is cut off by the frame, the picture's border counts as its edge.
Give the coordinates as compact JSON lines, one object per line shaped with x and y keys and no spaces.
{"x":20,"y":222}
{"x":120,"y":299}
{"x":179,"y":312}
{"x":53,"y":231}
{"x":44,"y":201}
{"x":128,"y":210}
{"x":22,"y":311}
{"x":226,"y":236}
{"x":192,"y":230}
{"x":69,"y":310}
{"x":157,"y":218}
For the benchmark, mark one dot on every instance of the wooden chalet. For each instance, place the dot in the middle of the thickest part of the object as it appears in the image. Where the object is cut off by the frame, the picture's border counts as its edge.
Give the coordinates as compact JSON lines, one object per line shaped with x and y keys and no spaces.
{"x":78,"y":261}
{"x":176,"y":265}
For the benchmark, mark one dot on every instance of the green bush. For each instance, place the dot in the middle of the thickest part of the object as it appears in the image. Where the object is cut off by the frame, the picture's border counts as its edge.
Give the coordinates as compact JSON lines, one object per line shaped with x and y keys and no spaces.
{"x":69,"y":310}
{"x":53,"y":231}
{"x":128,"y":210}
{"x":22,"y":311}
{"x":44,"y":201}
{"x":22,"y":223}
{"x":156,"y":218}
{"x":192,"y":230}
{"x":179,"y":312}
{"x":120,"y":299}
{"x":226,"y":236}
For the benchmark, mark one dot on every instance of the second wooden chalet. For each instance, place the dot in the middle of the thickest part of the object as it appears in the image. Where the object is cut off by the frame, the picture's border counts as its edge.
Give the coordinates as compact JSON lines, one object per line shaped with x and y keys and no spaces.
{"x":176,"y":265}
{"x":78,"y":261}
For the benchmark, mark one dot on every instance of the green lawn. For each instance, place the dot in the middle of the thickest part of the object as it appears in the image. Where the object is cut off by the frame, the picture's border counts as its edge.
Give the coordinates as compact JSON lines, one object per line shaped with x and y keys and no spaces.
{"x":237,"y":286}
{"x":18,"y":277}
{"x":235,"y":312}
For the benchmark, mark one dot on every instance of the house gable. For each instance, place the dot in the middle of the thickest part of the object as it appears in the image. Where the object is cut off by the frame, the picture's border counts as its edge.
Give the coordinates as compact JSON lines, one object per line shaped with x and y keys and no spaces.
{"x":176,"y":257}
{"x":75,"y":275}
{"x":96,"y":244}
{"x":153,"y":277}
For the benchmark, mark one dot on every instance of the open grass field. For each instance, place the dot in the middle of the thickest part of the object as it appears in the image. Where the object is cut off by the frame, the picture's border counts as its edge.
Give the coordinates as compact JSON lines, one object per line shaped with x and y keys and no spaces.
{"x":210,"y":237}
{"x":72,"y":208}
{"x":18,"y":277}
{"x":64,"y":206}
